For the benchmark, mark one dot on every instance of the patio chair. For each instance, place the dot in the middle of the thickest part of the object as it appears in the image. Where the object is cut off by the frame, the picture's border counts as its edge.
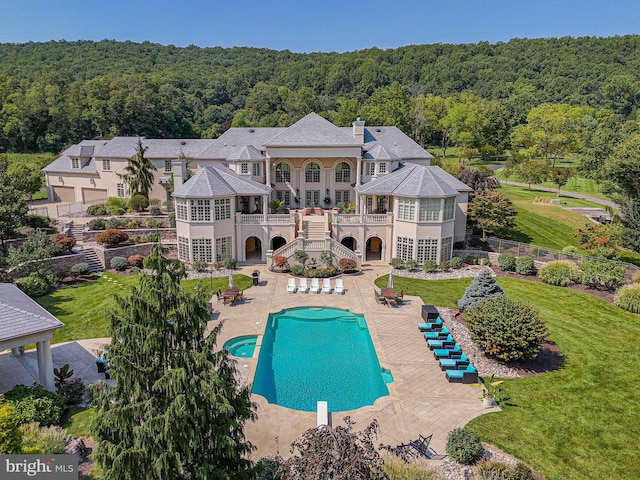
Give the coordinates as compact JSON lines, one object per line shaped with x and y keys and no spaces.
{"x":430,"y":326}
{"x":326,"y":285}
{"x":291,"y":285}
{"x":339,"y":286}
{"x":444,"y":343}
{"x":315,"y":286}
{"x":303,"y":287}
{"x":421,"y":446}
{"x":437,"y":335}
{"x":468,"y":375}
{"x":400,"y":297}
{"x":454,"y":363}
{"x":220,"y":295}
{"x":453,"y":351}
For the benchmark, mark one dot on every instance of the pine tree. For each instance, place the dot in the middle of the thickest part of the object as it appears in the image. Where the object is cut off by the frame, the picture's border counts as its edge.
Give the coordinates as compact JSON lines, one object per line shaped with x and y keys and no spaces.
{"x":483,"y":287}
{"x":176,"y":409}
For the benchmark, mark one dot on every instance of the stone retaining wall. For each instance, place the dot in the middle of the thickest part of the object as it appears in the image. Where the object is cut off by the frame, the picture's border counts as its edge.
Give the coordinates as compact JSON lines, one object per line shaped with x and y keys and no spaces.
{"x":57,"y":264}
{"x":165,"y":233}
{"x":106,"y":254}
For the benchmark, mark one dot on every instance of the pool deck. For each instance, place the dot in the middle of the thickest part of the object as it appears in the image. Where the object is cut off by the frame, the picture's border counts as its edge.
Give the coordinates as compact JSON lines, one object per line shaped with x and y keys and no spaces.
{"x":420,"y":401}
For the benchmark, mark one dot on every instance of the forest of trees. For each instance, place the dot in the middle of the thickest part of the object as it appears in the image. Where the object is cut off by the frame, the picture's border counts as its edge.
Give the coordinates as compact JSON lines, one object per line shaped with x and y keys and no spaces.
{"x":56,"y":93}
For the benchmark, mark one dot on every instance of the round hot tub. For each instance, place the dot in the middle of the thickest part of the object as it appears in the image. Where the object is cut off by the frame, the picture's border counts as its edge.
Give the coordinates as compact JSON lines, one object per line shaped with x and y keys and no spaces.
{"x":242,"y":347}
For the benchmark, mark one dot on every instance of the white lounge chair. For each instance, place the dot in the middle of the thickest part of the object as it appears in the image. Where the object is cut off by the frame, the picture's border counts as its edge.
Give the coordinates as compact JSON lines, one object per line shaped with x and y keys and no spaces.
{"x":315,"y":285}
{"x":291,"y":285}
{"x":339,"y":286}
{"x":322,"y":414}
{"x":326,"y":285}
{"x":302,"y":285}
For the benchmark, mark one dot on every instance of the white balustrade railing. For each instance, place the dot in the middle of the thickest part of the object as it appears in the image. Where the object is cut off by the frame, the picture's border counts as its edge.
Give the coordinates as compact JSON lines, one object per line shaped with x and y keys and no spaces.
{"x":258,"y":218}
{"x":351,"y":219}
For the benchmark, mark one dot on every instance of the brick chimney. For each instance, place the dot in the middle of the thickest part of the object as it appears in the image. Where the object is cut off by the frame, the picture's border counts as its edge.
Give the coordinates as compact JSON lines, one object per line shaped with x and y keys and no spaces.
{"x":358,"y":130}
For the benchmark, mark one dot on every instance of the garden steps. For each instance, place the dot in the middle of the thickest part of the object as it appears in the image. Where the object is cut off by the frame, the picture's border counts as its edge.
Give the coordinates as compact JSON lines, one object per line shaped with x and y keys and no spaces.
{"x":313,"y":230}
{"x":92,"y":259}
{"x":76,"y":231}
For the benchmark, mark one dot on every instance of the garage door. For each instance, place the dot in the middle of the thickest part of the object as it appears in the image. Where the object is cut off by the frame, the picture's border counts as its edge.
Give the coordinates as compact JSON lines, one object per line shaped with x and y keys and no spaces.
{"x":89,"y":194}
{"x":63,"y":194}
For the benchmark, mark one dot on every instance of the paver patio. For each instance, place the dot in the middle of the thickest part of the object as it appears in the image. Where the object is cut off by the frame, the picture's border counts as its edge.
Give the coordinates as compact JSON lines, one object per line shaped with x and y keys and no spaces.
{"x":420,"y":399}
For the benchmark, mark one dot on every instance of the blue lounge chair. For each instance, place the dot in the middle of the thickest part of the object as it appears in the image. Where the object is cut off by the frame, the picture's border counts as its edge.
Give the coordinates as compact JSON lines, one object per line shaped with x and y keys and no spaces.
{"x":441,"y":343}
{"x":437,"y":335}
{"x":454,"y":363}
{"x":453,"y":351}
{"x":468,"y":375}
{"x":435,"y":325}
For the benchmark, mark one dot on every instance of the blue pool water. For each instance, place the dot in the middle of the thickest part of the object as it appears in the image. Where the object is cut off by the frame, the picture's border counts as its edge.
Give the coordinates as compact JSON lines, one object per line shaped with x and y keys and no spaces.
{"x":311,"y":354}
{"x":241,"y":346}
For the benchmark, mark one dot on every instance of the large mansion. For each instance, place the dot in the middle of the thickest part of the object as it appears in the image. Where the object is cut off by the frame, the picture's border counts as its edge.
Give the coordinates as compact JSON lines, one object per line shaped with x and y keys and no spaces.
{"x":403,"y":206}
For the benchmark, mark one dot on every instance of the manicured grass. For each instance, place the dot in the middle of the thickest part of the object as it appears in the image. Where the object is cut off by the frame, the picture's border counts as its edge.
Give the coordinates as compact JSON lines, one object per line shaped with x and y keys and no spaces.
{"x":82,"y":307}
{"x":580,"y":421}
{"x":544,"y":224}
{"x":77,"y":420}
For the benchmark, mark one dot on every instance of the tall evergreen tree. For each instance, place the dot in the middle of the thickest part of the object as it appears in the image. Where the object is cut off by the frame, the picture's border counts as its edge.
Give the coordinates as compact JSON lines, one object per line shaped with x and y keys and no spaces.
{"x":176,"y":410}
{"x":139,"y":172}
{"x":483,"y":287}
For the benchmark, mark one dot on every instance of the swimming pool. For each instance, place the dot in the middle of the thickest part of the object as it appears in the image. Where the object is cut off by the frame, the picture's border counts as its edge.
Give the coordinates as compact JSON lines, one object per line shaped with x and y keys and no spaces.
{"x":241,"y":346}
{"x":310,"y":354}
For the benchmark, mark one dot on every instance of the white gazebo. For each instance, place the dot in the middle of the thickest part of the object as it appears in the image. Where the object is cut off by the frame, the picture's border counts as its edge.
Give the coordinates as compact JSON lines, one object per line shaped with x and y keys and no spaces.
{"x":23,"y":321}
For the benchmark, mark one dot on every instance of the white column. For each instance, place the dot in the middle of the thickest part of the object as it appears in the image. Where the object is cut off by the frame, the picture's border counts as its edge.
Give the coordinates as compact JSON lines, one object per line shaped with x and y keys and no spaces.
{"x":267,"y":170}
{"x":358,"y":169}
{"x":265,"y":207}
{"x":48,"y":366}
{"x":41,"y":368}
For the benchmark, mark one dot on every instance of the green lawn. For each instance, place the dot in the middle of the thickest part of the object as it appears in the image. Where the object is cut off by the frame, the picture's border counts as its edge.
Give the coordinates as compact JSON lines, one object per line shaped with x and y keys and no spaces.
{"x":77,"y":420}
{"x":578,"y":422}
{"x":81,"y":307}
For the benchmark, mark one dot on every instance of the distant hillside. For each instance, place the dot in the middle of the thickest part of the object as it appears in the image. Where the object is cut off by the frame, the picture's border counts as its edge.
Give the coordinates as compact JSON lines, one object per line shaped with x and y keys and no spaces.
{"x":54,"y":93}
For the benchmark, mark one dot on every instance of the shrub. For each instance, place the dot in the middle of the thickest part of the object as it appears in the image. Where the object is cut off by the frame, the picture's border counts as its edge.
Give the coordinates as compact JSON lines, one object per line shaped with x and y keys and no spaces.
{"x":397,"y":263}
{"x":229,"y":263}
{"x":172,"y":219}
{"x":71,"y":391}
{"x":35,"y":404}
{"x":445,"y":266}
{"x":492,"y":470}
{"x":98,"y":209}
{"x":199,"y":266}
{"x":347,"y":265}
{"x":136,"y":261}
{"x":411,"y":265}
{"x":558,"y":272}
{"x":138,"y":202}
{"x":33,"y":285}
{"x":464,"y":446}
{"x":37,"y":221}
{"x":326,"y":257}
{"x":397,"y":469}
{"x":601,"y":275}
{"x":154,"y":210}
{"x":112,"y":237}
{"x":507,"y":262}
{"x":470,"y":260}
{"x":628,"y":297}
{"x":456,"y":263}
{"x":635,"y":278}
{"x":115,"y":202}
{"x":506,"y":329}
{"x":43,"y":440}
{"x":218,"y":265}
{"x":119,"y":263}
{"x":321,"y":272}
{"x":525,"y":266}
{"x":116,"y":211}
{"x":298,"y":269}
{"x":278,"y":261}
{"x":153,"y":223}
{"x":483,"y":287}
{"x":10,"y":435}
{"x":79,"y":269}
{"x":301,"y":256}
{"x":97,"y":224}
{"x":430,"y":266}
{"x":571,"y":250}
{"x":113,"y":222}
{"x":67,"y":243}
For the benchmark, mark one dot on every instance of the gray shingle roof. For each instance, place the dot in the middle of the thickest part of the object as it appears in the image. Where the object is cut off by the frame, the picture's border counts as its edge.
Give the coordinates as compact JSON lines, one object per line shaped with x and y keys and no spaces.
{"x":219,"y":181}
{"x":313,"y":130}
{"x":20,"y":315}
{"x":394,"y":141}
{"x":412,"y":180}
{"x":378,"y":152}
{"x":245,"y":154}
{"x":62,"y":164}
{"x":235,"y":138}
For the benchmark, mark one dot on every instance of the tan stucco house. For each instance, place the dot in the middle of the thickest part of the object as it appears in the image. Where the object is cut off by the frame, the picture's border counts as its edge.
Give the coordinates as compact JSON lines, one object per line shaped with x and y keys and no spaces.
{"x":404,"y":207}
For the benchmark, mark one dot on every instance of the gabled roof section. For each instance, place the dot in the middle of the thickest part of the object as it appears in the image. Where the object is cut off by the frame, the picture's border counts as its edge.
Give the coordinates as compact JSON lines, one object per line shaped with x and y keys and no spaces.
{"x":21,"y":316}
{"x":313,"y":131}
{"x":412,"y":180}
{"x":234,"y":138}
{"x":86,"y":151}
{"x":219,"y":181}
{"x":247,"y":153}
{"x":62,"y":164}
{"x":378,"y":152}
{"x":394,"y":141}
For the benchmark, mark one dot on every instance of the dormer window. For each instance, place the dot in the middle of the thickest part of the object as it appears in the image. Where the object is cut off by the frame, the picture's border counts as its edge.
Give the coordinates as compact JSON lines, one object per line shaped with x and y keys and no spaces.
{"x":244,"y":168}
{"x":382,"y":167}
{"x":75,"y":163}
{"x":370,"y":169}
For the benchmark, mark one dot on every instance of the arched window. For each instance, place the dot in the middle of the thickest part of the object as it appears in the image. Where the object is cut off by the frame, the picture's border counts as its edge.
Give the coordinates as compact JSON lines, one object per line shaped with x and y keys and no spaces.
{"x":343,"y":173}
{"x":312,"y":173}
{"x":283,"y":173}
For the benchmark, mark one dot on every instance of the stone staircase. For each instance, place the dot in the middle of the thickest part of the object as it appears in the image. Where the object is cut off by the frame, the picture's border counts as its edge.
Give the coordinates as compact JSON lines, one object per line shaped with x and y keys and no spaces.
{"x":76,"y":231}
{"x":92,"y":259}
{"x":313,"y":230}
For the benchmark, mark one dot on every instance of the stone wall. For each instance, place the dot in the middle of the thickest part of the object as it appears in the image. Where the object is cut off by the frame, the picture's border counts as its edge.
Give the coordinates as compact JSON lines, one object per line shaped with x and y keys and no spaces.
{"x":106,"y":254}
{"x":165,"y":233}
{"x":57,"y":264}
